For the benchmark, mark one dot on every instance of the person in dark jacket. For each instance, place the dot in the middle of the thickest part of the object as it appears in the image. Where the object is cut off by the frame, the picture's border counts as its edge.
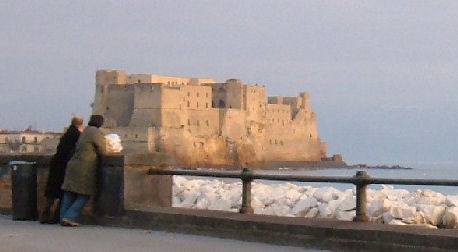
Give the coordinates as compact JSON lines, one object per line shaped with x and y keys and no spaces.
{"x":58,"y":163}
{"x":80,"y":180}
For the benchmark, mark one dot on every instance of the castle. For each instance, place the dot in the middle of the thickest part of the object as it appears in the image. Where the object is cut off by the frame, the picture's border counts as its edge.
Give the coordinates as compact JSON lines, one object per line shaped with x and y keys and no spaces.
{"x":199,"y":122}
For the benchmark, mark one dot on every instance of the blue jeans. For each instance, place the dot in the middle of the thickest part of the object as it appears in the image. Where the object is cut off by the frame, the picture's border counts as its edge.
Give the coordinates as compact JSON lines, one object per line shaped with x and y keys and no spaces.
{"x":72,"y":204}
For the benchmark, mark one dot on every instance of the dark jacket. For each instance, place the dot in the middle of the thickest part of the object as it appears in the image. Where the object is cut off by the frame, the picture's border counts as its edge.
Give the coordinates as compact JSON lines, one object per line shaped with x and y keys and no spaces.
{"x":64,"y":152}
{"x":81,"y":174}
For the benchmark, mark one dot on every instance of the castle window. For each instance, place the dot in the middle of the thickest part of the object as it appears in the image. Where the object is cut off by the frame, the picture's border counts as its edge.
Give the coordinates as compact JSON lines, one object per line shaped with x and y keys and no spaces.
{"x":35,"y":139}
{"x":275,"y":141}
{"x":310,"y":135}
{"x":188,"y":104}
{"x":198,"y":123}
{"x":108,"y":108}
{"x":139,"y":81}
{"x":35,"y":148}
{"x":197,"y":94}
{"x":281,"y":142}
{"x":206,"y":122}
{"x":182,"y":83}
{"x":23,"y":139}
{"x":136,"y":135}
{"x":206,"y":105}
{"x":206,"y":94}
{"x":222,"y":104}
{"x":189,"y":122}
{"x":189,"y":94}
{"x":168,"y":83}
{"x":197,"y":104}
{"x":6,"y":139}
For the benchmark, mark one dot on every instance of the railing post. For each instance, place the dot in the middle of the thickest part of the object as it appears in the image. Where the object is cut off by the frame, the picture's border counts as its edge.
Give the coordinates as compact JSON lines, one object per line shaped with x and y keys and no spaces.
{"x":361,"y":197}
{"x":246,"y":193}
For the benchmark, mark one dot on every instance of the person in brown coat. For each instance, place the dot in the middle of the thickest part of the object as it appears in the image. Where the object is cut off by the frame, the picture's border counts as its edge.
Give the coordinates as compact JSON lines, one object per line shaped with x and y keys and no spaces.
{"x":81,"y":174}
{"x":64,"y":152}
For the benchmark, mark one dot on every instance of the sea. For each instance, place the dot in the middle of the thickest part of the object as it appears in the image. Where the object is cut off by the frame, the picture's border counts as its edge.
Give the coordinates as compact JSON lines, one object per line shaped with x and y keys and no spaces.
{"x":447,"y":171}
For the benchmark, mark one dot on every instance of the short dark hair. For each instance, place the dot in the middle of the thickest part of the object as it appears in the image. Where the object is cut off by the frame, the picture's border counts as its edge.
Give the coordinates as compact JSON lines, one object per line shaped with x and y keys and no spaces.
{"x":96,"y":121}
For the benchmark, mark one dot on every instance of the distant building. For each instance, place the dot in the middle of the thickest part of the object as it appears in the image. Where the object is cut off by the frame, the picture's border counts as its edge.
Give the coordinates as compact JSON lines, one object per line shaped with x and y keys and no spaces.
{"x":28,"y":141}
{"x":197,"y":121}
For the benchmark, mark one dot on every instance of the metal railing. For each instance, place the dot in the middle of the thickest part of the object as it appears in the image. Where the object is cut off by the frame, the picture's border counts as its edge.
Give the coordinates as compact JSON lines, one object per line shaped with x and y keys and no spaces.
{"x":361,"y":180}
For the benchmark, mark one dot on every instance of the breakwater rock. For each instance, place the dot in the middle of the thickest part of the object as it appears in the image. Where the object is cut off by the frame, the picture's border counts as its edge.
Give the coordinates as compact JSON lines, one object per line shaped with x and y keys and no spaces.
{"x":388,"y":205}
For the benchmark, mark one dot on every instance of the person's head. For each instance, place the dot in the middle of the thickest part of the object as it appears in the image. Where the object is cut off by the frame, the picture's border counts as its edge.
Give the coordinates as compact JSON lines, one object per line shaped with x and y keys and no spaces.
{"x":77,"y":121}
{"x":96,"y":121}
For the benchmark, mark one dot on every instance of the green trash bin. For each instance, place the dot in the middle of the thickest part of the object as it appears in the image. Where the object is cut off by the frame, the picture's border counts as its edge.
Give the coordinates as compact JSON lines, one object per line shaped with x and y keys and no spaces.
{"x":24,"y":190}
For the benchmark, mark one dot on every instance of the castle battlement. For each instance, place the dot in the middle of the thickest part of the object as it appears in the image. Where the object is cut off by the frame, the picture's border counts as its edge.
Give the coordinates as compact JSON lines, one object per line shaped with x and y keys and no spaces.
{"x":202,"y":122}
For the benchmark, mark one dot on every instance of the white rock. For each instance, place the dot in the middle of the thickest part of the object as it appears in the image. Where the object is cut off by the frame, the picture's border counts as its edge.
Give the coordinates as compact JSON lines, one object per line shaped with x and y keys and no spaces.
{"x":450,"y":218}
{"x":345,"y":215}
{"x":175,"y":201}
{"x":219,"y":204}
{"x":396,"y":222}
{"x":189,"y":196}
{"x":326,"y":194}
{"x":257,"y":204}
{"x":417,"y":218}
{"x":374,"y":195}
{"x":185,"y":205}
{"x":386,"y":217}
{"x":403,"y":212}
{"x":348,"y":204}
{"x":433,"y":214}
{"x":378,"y":207}
{"x":293,"y":195}
{"x":179,"y":180}
{"x":325,"y":211}
{"x":313,"y":212}
{"x":451,"y":200}
{"x":427,"y":226}
{"x":302,"y":206}
{"x":202,"y":203}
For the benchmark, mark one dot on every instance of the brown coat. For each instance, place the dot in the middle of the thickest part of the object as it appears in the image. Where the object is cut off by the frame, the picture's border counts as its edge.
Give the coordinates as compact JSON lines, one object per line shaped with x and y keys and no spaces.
{"x":81,"y":173}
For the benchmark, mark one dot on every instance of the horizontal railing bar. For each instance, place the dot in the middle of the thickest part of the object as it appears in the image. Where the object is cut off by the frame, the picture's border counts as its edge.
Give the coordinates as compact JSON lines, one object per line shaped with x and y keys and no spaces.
{"x":439,"y":182}
{"x":303,"y":178}
{"x":300,"y":178}
{"x":219,"y":174}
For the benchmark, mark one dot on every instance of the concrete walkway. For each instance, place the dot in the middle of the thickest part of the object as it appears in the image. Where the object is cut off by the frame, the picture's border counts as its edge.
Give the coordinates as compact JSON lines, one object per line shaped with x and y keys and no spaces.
{"x":32,"y":236}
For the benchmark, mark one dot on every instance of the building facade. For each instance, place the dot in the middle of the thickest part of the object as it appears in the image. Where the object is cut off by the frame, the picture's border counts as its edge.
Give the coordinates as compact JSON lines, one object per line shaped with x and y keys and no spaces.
{"x":28,"y":141}
{"x":199,"y":122}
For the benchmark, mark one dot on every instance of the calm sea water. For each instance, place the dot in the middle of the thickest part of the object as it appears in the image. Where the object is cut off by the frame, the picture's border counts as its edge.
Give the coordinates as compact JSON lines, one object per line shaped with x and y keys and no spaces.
{"x":419,"y":171}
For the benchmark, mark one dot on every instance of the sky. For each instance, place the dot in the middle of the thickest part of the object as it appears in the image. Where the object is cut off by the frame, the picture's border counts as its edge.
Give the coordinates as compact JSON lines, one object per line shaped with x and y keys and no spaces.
{"x":382,"y":75}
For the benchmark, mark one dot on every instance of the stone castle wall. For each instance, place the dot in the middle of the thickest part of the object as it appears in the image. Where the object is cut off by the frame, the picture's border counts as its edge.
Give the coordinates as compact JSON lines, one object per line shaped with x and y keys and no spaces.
{"x":198,"y":122}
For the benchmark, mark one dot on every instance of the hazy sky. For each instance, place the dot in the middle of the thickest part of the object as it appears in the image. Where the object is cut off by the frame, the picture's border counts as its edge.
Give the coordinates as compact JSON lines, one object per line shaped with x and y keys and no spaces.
{"x":382,"y":75}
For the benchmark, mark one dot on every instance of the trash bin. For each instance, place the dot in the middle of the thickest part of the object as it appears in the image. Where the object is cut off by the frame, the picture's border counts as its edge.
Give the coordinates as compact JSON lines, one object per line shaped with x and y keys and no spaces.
{"x":24,"y":190}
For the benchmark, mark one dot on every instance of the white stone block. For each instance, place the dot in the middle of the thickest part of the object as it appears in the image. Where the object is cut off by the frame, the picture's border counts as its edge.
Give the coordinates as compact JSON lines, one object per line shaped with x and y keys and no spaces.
{"x":345,"y":215}
{"x":450,"y":218}
{"x":378,"y":207}
{"x":302,"y":206}
{"x":402,"y":212}
{"x":313,"y":212}
{"x":433,"y":214}
{"x":348,"y":204}
{"x":451,"y":200}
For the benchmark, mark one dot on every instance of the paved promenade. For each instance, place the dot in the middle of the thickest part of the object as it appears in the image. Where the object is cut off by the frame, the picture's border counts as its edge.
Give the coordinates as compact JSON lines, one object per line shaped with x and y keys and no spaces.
{"x":31,"y":236}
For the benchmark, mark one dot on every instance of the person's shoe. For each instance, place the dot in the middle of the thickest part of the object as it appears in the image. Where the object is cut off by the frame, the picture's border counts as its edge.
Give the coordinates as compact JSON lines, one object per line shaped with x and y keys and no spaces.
{"x":68,"y":223}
